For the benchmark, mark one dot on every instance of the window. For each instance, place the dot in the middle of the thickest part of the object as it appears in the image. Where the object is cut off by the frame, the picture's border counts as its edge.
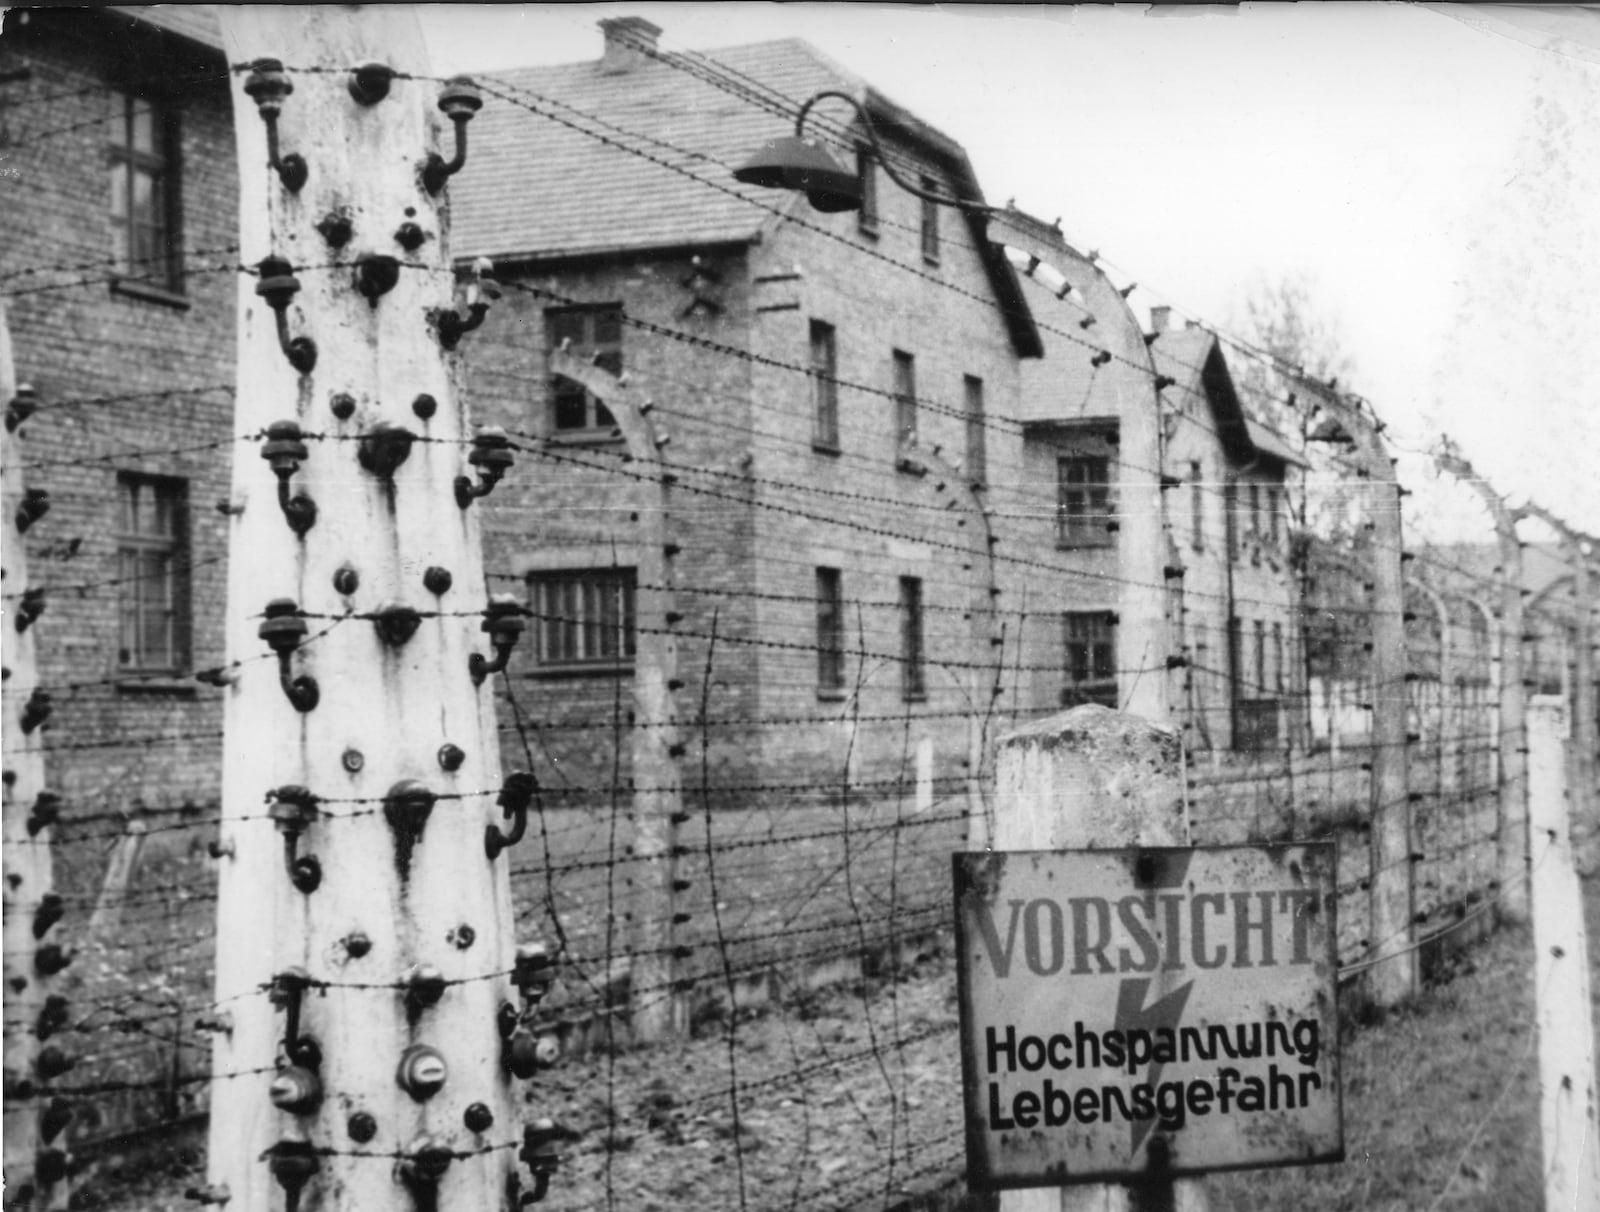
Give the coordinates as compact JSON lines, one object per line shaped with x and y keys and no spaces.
{"x":1090,"y":640}
{"x":913,"y":683}
{"x":977,"y":432}
{"x":142,"y":162}
{"x":1230,"y":512}
{"x":1260,"y":669}
{"x":1197,"y":537}
{"x":1280,"y":679}
{"x":1274,"y":507}
{"x":930,"y":223}
{"x":584,"y":618}
{"x":1083,"y":501}
{"x":830,"y":632}
{"x":824,"y":387}
{"x":867,"y":171}
{"x":905,"y":397}
{"x":594,"y":334}
{"x":152,"y":574}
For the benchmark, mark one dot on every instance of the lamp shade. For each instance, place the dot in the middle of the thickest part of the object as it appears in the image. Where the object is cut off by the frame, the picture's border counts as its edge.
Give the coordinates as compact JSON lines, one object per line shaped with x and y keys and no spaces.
{"x":795,"y":163}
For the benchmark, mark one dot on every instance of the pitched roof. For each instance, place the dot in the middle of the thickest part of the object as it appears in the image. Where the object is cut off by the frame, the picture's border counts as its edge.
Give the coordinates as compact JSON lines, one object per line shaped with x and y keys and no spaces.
{"x":1271,"y":444}
{"x":574,"y":160}
{"x":1193,"y":357}
{"x":196,"y":22}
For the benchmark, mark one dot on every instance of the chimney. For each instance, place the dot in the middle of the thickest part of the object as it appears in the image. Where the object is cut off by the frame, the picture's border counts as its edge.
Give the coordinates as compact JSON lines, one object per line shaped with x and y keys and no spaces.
{"x":1160,"y":315}
{"x":630,"y":41}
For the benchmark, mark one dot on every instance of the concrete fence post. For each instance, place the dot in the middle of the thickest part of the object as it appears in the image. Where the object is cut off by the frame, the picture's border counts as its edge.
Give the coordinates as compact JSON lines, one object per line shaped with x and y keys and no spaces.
{"x":1511,"y":825}
{"x":372,"y":1006}
{"x":35,"y":1161}
{"x":1089,"y":778}
{"x":1567,"y":1113}
{"x":1392,"y":891}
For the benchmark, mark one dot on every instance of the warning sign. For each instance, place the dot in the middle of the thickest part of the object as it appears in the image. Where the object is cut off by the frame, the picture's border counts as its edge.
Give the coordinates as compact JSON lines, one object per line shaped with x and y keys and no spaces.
{"x":1134,"y":1012}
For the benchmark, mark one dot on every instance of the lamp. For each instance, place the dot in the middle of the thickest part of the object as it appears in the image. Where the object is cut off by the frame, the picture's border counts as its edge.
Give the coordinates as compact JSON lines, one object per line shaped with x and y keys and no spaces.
{"x":795,"y":162}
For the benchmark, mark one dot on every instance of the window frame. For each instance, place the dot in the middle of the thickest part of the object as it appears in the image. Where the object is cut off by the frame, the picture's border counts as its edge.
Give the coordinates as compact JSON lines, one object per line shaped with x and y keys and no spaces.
{"x":133,"y":546}
{"x":606,"y":354}
{"x":1089,"y":646}
{"x":930,"y":222}
{"x":977,"y":431}
{"x":824,"y":354}
{"x":913,"y":641}
{"x":1076,"y":519}
{"x":830,"y":632}
{"x":581,"y":587}
{"x":904,"y":371}
{"x":1197,"y":530}
{"x":161,"y":272}
{"x":867,"y":174}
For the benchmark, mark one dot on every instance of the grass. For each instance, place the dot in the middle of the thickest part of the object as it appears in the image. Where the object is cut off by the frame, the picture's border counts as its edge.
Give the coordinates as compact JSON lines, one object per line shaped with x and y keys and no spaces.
{"x":1440,"y":1102}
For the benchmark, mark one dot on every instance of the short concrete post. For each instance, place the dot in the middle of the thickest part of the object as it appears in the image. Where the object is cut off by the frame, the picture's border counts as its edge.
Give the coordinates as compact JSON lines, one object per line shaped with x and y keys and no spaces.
{"x":1089,"y":778}
{"x":1567,"y":1120}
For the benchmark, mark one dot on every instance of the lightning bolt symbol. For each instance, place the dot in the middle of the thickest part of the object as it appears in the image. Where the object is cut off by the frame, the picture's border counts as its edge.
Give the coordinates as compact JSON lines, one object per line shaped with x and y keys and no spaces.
{"x":1133,"y":1013}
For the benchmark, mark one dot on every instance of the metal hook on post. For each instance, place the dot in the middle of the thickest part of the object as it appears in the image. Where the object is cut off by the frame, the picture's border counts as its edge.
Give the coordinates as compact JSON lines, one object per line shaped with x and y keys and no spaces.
{"x":283,"y":629}
{"x":503,"y":621}
{"x":514,"y":799}
{"x":459,"y":100}
{"x":491,"y":455}
{"x":284,"y":449}
{"x":277,"y":286}
{"x":541,"y":1141}
{"x":482,"y":290}
{"x":34,"y":505}
{"x":267,"y":85}
{"x":287,"y":991}
{"x":294,"y":809}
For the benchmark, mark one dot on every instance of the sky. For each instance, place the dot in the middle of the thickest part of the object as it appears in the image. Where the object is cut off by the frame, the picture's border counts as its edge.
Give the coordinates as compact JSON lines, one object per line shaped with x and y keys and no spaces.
{"x":1432,"y":172}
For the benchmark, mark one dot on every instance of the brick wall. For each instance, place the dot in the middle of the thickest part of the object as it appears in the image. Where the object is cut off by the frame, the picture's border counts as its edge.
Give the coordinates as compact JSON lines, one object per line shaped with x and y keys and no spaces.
{"x":117,"y":742}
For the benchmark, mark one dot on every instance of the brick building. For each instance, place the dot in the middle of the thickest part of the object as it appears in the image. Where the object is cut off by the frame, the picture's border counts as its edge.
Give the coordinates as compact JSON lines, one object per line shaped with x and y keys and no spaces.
{"x":119,"y":267}
{"x":838,"y":395}
{"x":847,"y":481}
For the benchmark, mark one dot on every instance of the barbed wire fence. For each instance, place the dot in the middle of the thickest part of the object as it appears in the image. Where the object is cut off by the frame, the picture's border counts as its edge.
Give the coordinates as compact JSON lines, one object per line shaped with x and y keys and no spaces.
{"x":810,"y":883}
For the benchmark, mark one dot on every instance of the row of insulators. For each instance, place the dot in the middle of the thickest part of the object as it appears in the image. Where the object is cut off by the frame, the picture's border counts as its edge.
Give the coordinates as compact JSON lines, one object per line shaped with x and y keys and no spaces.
{"x":421,"y":1072}
{"x":382,"y":450}
{"x":284,"y":629}
{"x":51,"y":1060}
{"x":406,"y":808}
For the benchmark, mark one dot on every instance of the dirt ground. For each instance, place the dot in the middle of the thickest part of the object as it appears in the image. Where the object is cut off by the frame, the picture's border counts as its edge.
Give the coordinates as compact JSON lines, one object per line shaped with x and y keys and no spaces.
{"x":850,"y":1099}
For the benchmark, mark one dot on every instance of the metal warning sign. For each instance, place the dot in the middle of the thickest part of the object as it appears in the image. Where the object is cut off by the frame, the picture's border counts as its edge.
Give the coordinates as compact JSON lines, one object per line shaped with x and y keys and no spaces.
{"x":1127,"y":1013}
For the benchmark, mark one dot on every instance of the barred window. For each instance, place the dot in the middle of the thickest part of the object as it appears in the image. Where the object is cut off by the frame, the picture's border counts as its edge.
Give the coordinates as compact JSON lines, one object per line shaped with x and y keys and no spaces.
{"x":584,"y":618}
{"x":152,"y":574}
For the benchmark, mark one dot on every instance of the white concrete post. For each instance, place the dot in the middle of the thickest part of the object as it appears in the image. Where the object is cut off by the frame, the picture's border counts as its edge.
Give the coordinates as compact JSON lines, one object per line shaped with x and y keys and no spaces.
{"x":1567,"y":1120}
{"x":1089,"y":778}
{"x":35,"y":1161}
{"x":371,"y":1000}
